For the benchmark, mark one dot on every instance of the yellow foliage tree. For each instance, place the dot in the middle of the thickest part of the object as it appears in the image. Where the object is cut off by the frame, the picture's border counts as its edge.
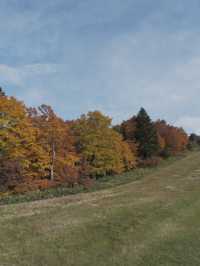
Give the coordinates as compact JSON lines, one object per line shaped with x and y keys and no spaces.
{"x":18,"y":146}
{"x":101,"y":146}
{"x":56,"y":139}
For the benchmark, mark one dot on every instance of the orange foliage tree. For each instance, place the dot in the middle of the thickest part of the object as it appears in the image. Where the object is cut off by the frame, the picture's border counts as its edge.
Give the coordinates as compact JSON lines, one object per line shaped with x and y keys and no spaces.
{"x":175,"y":139}
{"x":22,"y":160}
{"x":38,"y":149}
{"x":55,"y":137}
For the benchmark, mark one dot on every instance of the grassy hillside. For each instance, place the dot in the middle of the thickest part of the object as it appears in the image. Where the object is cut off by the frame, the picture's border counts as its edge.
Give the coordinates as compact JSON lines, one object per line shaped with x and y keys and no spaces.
{"x":151,"y":221}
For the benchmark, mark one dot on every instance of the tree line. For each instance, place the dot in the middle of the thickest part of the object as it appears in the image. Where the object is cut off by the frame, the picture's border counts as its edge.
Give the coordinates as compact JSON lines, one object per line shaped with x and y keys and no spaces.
{"x":39,"y":150}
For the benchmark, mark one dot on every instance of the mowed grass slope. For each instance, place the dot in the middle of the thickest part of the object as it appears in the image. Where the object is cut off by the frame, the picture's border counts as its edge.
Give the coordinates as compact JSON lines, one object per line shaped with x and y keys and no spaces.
{"x":152,"y":221}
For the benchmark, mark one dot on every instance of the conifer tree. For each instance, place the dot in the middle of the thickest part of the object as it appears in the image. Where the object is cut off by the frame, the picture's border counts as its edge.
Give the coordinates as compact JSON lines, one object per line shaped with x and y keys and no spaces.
{"x":146,"y":135}
{"x":2,"y":93}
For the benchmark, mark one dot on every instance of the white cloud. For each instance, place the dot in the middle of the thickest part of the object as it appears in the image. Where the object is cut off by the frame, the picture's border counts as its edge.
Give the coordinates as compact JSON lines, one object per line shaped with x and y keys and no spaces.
{"x":31,"y":81}
{"x":114,"y":62}
{"x":19,"y":75}
{"x":191,"y":124}
{"x":10,"y":74}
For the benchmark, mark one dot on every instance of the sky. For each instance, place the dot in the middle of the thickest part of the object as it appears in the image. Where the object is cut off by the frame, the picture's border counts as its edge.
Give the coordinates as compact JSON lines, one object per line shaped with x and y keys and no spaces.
{"x":110,"y":55}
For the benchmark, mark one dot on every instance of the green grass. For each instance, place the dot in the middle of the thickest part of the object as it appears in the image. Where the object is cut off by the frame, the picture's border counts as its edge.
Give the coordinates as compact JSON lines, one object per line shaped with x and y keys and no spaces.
{"x":102,"y":183}
{"x":153,"y":220}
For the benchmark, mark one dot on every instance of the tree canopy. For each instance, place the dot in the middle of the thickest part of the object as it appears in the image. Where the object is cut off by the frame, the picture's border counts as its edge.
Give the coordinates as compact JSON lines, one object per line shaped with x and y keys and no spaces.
{"x":38,"y":149}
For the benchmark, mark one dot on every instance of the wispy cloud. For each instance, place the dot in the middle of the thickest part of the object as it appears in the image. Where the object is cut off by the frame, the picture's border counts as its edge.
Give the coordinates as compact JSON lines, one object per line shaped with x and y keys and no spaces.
{"x":28,"y":81}
{"x":19,"y":75}
{"x":191,"y":124}
{"x":10,"y":75}
{"x":113,"y":55}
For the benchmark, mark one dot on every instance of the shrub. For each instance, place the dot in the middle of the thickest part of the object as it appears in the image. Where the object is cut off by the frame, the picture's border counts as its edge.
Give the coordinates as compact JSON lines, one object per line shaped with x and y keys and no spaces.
{"x":87,"y":182}
{"x":151,"y":162}
{"x":166,"y":153}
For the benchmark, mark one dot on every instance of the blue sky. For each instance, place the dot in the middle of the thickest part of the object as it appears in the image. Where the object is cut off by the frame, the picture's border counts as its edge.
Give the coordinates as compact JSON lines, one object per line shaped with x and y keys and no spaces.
{"x":110,"y":55}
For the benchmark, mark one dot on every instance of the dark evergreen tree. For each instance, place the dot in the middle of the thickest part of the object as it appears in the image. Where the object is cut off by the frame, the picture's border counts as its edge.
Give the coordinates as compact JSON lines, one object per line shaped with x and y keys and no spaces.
{"x":2,"y":93}
{"x":194,"y":138}
{"x":146,"y":135}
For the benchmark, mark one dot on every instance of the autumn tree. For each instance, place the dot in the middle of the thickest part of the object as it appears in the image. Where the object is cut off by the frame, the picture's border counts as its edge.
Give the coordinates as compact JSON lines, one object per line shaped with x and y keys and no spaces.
{"x":38,"y":149}
{"x":100,"y":146}
{"x":176,"y":139}
{"x":22,"y":160}
{"x":128,"y":129}
{"x":146,"y":135}
{"x":55,"y":138}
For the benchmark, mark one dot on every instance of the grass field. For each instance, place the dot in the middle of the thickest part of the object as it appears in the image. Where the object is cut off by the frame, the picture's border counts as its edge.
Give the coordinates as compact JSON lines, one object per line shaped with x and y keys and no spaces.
{"x":154,"y":221}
